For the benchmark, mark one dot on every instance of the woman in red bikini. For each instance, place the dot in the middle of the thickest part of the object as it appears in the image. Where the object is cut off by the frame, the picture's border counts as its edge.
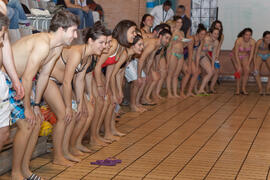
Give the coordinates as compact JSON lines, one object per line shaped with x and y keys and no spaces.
{"x":242,"y":55}
{"x":122,"y":37}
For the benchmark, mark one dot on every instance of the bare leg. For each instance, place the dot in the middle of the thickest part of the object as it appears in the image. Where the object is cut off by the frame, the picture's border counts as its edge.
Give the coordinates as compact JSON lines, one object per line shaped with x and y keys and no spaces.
{"x":155,"y":76}
{"x":30,"y":149}
{"x":19,"y":147}
{"x":268,"y":82}
{"x":53,"y":97}
{"x":257,"y":76}
{"x":246,"y":68}
{"x":187,"y":72}
{"x":133,"y":93}
{"x":214,"y":80}
{"x":175,"y":81}
{"x":163,"y":74}
{"x":207,"y":67}
{"x":107,"y":124}
{"x":194,"y":78}
{"x":66,"y":142}
{"x":171,"y":70}
{"x":90,"y":108}
{"x":4,"y":134}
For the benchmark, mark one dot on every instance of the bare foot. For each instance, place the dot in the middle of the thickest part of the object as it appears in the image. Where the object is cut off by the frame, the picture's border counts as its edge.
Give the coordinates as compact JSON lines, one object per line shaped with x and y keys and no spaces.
{"x":15,"y":176}
{"x":104,"y":140}
{"x":170,"y":96}
{"x":201,"y":92}
{"x":190,"y":94}
{"x":83,"y":148}
{"x":63,"y":162}
{"x":183,"y":96}
{"x":112,"y":137}
{"x":135,"y":109}
{"x":97,"y":142}
{"x":76,"y":152}
{"x":70,"y":157}
{"x":117,"y":133}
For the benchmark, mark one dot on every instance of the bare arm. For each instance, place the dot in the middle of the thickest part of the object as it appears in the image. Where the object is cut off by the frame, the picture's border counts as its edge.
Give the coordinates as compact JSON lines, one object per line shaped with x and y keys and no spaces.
{"x":216,"y":44}
{"x":8,"y":62}
{"x":79,"y":88}
{"x":251,"y":56}
{"x":219,"y":46}
{"x":122,"y":59}
{"x":198,"y":54}
{"x":147,"y":51}
{"x":72,"y":62}
{"x":38,"y":54}
{"x":236,"y":54}
{"x":255,"y":53}
{"x":190,"y":51}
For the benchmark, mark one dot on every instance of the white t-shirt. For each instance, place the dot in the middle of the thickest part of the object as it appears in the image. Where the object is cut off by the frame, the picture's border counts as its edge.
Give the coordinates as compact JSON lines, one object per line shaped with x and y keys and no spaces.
{"x":161,"y":16}
{"x":82,"y":3}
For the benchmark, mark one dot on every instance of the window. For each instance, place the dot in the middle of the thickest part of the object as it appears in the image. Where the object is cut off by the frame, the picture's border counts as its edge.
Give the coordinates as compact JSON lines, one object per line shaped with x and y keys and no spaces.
{"x":203,"y":11}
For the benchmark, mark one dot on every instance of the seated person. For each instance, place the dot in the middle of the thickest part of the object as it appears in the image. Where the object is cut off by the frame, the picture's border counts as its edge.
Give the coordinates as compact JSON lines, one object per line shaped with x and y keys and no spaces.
{"x":80,"y":9}
{"x":16,"y":14}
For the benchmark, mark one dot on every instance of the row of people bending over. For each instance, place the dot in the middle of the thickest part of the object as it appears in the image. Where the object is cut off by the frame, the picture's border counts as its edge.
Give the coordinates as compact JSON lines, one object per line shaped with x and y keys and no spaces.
{"x":83,"y":83}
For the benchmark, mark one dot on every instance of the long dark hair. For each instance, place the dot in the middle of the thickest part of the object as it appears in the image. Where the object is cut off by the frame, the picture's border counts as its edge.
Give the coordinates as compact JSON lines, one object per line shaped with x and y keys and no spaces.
{"x":120,"y":32}
{"x":143,"y":19}
{"x":95,"y":32}
{"x":221,"y":29}
{"x":265,"y":33}
{"x":241,"y":34}
{"x":201,"y":27}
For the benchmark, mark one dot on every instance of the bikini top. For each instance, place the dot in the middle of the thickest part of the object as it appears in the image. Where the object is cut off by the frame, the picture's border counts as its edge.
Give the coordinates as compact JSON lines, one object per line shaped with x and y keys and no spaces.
{"x":111,"y":59}
{"x":243,"y":49}
{"x":175,"y":37}
{"x":80,"y":67}
{"x":92,"y":65}
{"x":195,"y":47}
{"x":207,"y":48}
{"x":261,"y":47}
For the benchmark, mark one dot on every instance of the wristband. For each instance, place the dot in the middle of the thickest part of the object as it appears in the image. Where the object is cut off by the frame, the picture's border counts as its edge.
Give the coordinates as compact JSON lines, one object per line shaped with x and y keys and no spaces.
{"x":36,"y":104}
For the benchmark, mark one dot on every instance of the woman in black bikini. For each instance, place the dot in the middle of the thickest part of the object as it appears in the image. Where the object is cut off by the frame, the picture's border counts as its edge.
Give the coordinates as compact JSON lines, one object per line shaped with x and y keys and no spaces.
{"x":69,"y":72}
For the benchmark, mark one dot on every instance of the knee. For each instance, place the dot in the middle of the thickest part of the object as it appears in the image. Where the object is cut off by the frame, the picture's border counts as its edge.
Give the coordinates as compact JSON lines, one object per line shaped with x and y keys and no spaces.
{"x":4,"y":134}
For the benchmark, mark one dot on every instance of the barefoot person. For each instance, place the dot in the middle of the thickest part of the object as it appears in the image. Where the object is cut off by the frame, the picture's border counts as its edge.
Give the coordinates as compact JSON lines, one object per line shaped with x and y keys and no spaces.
{"x":34,"y":54}
{"x":6,"y":61}
{"x":217,"y":24}
{"x":206,"y":57}
{"x":70,"y":71}
{"x":146,"y":62}
{"x":242,"y":56}
{"x":192,"y":54}
{"x":123,"y":36}
{"x":262,"y":56}
{"x":175,"y":56}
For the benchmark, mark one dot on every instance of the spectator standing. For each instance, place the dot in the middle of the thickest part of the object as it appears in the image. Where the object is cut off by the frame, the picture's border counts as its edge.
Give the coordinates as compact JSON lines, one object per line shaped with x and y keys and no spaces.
{"x":181,"y":11}
{"x":162,"y":13}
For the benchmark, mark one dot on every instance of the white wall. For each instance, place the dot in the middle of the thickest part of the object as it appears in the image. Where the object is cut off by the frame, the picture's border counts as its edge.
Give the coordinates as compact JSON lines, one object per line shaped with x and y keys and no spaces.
{"x":238,"y":14}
